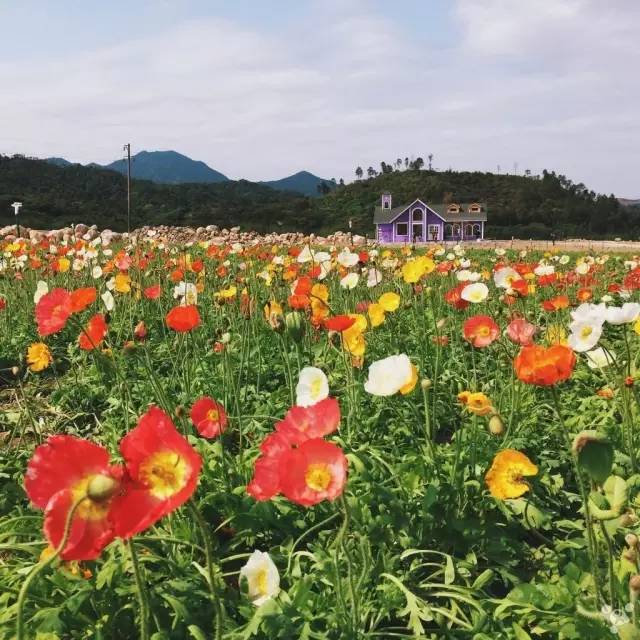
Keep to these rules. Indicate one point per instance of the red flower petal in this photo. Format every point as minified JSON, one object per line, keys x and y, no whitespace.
{"x":209,"y":417}
{"x":316,"y":421}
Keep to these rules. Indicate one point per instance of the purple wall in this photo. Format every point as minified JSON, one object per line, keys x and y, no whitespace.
{"x":389,"y":232}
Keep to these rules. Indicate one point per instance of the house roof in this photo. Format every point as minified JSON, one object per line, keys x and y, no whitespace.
{"x":384,"y":216}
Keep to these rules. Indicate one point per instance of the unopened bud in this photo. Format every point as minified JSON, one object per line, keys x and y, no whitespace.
{"x":627,"y":519}
{"x":15,"y":371}
{"x":630,"y":554}
{"x":101,"y":487}
{"x":425,"y":383}
{"x":496,"y":426}
{"x":632,"y":540}
{"x":441,"y":323}
{"x":634,"y":584}
{"x":295,"y":325}
{"x":180,"y":411}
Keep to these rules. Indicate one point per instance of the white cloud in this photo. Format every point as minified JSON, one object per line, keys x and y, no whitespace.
{"x":547,"y":84}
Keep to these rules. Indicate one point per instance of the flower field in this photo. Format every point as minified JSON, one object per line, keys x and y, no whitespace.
{"x":254,"y":441}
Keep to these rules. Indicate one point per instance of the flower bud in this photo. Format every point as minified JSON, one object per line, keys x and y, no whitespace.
{"x":295,"y":325}
{"x":101,"y":487}
{"x":496,"y":426}
{"x":425,"y":383}
{"x":630,"y":554}
{"x":15,"y":371}
{"x":634,"y":584}
{"x":632,"y":540}
{"x":180,"y":411}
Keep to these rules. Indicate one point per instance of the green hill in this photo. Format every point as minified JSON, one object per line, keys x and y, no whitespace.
{"x":55,"y":196}
{"x":302,"y":182}
{"x":519,"y":206}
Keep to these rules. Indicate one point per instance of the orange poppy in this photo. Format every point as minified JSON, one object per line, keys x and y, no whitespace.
{"x":544,"y":366}
{"x":82,"y":298}
{"x":183,"y":318}
{"x":93,"y":333}
{"x":480,"y":331}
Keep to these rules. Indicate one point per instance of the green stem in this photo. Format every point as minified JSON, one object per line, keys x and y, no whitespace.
{"x":40,"y":567}
{"x":142,"y":596}
{"x":591,"y":543}
{"x":208,"y":552}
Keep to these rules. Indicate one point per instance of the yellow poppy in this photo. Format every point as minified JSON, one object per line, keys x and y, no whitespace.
{"x":389,"y":301}
{"x":122,"y":283}
{"x":376,"y":314}
{"x":505,"y":477}
{"x":38,"y":356}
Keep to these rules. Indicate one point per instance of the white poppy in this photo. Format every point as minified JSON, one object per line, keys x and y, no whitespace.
{"x":263,"y":579}
{"x":186,"y":292}
{"x":348,"y":259}
{"x":374,"y":277}
{"x":628,"y":312}
{"x":389,"y":375}
{"x":505,"y":277}
{"x":96,"y":272}
{"x":476,"y":292}
{"x":589,"y":312}
{"x":544,"y":270}
{"x":583,"y":268}
{"x":42,"y":289}
{"x":305,"y":255}
{"x":312,"y":387}
{"x":467,"y":276}
{"x":599,"y":358}
{"x":107,"y":298}
{"x":350,"y":281}
{"x":584,"y":336}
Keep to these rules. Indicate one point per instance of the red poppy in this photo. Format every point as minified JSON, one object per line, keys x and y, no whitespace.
{"x":153,"y":292}
{"x":140,"y":331}
{"x":3,"y":303}
{"x":93,"y":333}
{"x":302,"y":286}
{"x":555,"y":304}
{"x":197,"y":266}
{"x":82,"y":298}
{"x":632,"y":280}
{"x":53,"y":311}
{"x":60,"y":472}
{"x":315,"y":421}
{"x":520,"y":287}
{"x":546,"y":280}
{"x":315,"y":471}
{"x":544,"y":366}
{"x":163,"y":469}
{"x":183,"y":318}
{"x":339,"y":323}
{"x":480,"y":331}
{"x":298,"y":301}
{"x":454,"y":297}
{"x":209,"y":417}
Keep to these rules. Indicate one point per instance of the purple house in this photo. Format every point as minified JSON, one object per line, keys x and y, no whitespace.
{"x":421,"y":222}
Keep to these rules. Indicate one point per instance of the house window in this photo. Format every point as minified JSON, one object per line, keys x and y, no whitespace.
{"x":417,"y":215}
{"x":474,"y":208}
{"x":387,"y":204}
{"x":402,"y":229}
{"x":453,"y":208}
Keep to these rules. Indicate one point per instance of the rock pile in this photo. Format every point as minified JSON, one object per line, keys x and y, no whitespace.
{"x":211,"y":233}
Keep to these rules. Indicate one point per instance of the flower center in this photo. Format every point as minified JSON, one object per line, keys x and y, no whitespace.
{"x":586,"y":332}
{"x":213,"y":415}
{"x":483,"y":331}
{"x":316,"y":387}
{"x":95,"y":507}
{"x":318,"y":477}
{"x":166,"y":473}
{"x":261,"y":582}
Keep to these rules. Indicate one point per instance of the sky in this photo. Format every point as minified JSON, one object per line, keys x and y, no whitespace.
{"x":260,"y":89}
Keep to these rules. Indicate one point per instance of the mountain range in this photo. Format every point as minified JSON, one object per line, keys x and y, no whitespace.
{"x":171,"y":167}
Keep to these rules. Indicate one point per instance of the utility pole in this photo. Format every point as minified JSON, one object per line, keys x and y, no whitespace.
{"x":127,"y":148}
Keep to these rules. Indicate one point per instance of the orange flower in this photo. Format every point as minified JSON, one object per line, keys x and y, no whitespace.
{"x":504,"y":478}
{"x":82,"y":298}
{"x":555,"y":304}
{"x":544,"y":366}
{"x":183,"y":318}
{"x":584,"y":294}
{"x":297,"y":301}
{"x":480,"y":331}
{"x":93,"y":333}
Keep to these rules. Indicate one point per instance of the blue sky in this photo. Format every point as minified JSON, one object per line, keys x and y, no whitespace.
{"x":263,"y":88}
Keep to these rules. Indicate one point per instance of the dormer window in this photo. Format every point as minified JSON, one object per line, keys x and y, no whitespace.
{"x":387,"y":205}
{"x":475,"y":208}
{"x":453,"y":208}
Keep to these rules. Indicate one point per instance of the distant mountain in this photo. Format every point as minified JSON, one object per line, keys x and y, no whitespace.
{"x":302,"y":182}
{"x":59,"y":162}
{"x":167,"y":167}
{"x":629,"y":202}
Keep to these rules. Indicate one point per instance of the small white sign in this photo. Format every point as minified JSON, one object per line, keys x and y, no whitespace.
{"x":16,"y":207}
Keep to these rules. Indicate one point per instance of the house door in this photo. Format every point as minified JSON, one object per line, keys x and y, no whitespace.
{"x":434,"y":232}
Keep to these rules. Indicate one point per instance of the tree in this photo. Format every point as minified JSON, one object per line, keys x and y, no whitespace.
{"x":371,"y":172}
{"x":398,"y":163}
{"x":406,"y":163}
{"x":430,"y":158}
{"x":341,"y":182}
{"x":417,"y":164}
{"x":323,"y":188}
{"x":359,"y":173}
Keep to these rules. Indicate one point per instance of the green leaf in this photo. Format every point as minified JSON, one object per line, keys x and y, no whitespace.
{"x":520,"y":633}
{"x":595,"y":455}
{"x":196,"y":632}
